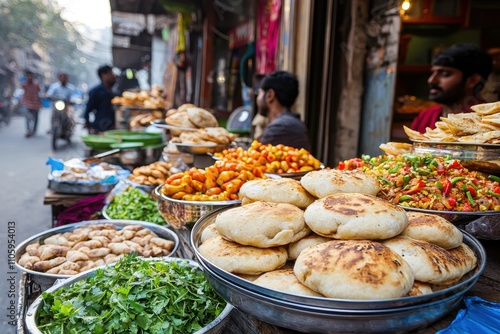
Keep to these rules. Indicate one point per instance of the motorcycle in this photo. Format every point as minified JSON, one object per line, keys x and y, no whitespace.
{"x":62,"y":122}
{"x":4,"y":111}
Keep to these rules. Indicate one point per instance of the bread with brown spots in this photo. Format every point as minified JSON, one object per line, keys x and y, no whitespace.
{"x":262,"y":224}
{"x":322,"y":183}
{"x":420,"y":288}
{"x":201,"y":118}
{"x":284,"y":190}
{"x":355,"y":216}
{"x":285,"y":280}
{"x":433,"y":229}
{"x":354,"y":269}
{"x":240,"y":259}
{"x":431,"y":263}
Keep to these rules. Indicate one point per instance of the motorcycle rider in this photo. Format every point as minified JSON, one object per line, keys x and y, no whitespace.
{"x":61,"y":90}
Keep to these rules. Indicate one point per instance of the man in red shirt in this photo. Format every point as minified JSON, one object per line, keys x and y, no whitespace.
{"x":31,"y":101}
{"x":458,"y":76}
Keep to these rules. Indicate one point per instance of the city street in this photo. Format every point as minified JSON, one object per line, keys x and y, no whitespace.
{"x":23,"y":181}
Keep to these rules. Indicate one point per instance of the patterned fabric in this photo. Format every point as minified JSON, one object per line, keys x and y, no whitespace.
{"x":31,"y":99}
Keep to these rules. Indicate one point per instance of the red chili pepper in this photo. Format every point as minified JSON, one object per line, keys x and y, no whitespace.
{"x":455,"y":164}
{"x":341,"y":165}
{"x":474,"y":182}
{"x":420,"y":184}
{"x":446,"y":187}
{"x":452,"y":201}
{"x":472,"y":191}
{"x":496,"y":190}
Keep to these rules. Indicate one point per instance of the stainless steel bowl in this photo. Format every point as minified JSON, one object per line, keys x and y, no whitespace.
{"x":79,"y":188}
{"x":201,"y":148}
{"x":179,"y":213}
{"x":47,"y":280}
{"x":329,"y":315}
{"x":214,"y":327}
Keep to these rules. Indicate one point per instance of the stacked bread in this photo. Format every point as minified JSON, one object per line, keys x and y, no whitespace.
{"x":328,"y":235}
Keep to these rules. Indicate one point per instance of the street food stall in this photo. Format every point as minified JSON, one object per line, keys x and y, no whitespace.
{"x":393,"y":243}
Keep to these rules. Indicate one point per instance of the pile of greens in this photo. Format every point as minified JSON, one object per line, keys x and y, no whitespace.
{"x":136,"y":205}
{"x":134,"y":296}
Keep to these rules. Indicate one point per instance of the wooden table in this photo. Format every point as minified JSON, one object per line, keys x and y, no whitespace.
{"x":487,"y":287}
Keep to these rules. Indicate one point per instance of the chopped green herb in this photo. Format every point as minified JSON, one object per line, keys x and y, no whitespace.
{"x":134,"y":296}
{"x":135,"y":205}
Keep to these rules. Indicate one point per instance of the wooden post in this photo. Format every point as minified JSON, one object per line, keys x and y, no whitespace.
{"x":207,"y":54}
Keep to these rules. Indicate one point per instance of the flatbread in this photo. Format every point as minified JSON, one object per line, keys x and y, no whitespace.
{"x":284,"y":280}
{"x":217,"y":134}
{"x":283,"y":190}
{"x":419,"y":289}
{"x":354,"y":269}
{"x":189,"y":137}
{"x":201,"y":118}
{"x":433,"y":229}
{"x":185,"y":106}
{"x":208,"y":233}
{"x":321,"y":183}
{"x":395,"y":148}
{"x":239,"y":259}
{"x":262,"y":224}
{"x":179,"y":119}
{"x":296,"y":247}
{"x":486,"y":108}
{"x":355,"y":216}
{"x":431,"y":263}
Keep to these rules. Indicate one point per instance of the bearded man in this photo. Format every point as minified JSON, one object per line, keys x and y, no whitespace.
{"x":459,"y":73}
{"x":277,"y":94}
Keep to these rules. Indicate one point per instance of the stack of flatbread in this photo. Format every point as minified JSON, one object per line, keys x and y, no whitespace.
{"x":482,"y":126}
{"x":190,"y":116}
{"x":327,"y":236}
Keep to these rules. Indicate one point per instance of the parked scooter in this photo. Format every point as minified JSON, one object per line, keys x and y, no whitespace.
{"x":62,"y":122}
{"x":4,"y":111}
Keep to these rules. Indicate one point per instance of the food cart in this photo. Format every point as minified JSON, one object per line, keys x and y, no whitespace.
{"x":186,"y":214}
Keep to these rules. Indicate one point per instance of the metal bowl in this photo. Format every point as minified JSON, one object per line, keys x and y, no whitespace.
{"x":214,"y":327}
{"x":328,"y":315}
{"x":46,"y":280}
{"x":179,"y":213}
{"x":480,"y":157}
{"x":200,"y":148}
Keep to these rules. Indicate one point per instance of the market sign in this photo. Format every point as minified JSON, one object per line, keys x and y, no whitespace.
{"x":241,"y":35}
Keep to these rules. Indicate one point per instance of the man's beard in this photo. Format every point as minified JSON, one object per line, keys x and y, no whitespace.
{"x":263,"y":108}
{"x":450,"y":97}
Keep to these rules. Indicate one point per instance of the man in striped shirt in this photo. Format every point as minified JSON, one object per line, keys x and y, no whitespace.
{"x":31,"y":102}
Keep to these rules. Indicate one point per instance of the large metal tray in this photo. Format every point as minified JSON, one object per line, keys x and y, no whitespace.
{"x":214,"y":327}
{"x":331,"y":303}
{"x":46,"y":280}
{"x":79,"y":188}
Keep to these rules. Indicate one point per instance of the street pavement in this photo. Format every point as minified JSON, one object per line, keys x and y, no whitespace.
{"x":23,"y":181}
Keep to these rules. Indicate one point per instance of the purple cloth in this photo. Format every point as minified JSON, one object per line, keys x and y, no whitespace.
{"x":84,"y":209}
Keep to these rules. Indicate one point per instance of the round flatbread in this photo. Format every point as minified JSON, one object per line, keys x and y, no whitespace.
{"x":284,"y":190}
{"x":285,"y":280}
{"x":262,"y":224}
{"x":240,"y":259}
{"x":354,"y":269}
{"x":185,"y":106}
{"x":218,"y":135}
{"x":431,"y":263}
{"x":208,"y":233}
{"x":433,"y":229}
{"x":179,"y":119}
{"x":201,"y":118}
{"x":294,"y":248}
{"x":322,"y":183}
{"x":355,"y":216}
{"x":420,"y":288}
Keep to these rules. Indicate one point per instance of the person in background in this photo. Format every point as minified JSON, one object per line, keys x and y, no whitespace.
{"x":61,"y":89}
{"x":459,"y":73}
{"x":99,"y":102}
{"x":277,"y":93}
{"x":31,"y":103}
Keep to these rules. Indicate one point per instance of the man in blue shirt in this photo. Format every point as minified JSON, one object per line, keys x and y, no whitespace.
{"x":99,"y":102}
{"x":277,"y":93}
